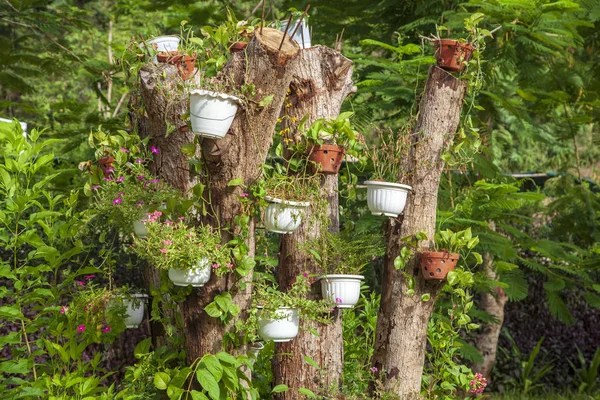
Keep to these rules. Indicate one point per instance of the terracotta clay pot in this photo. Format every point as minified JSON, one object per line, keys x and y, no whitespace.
{"x":437,"y":264}
{"x":452,"y":55}
{"x":237,"y":46}
{"x":327,"y":158}
{"x":105,"y":164}
{"x":185,"y":64}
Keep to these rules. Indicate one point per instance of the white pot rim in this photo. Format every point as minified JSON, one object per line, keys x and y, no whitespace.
{"x":287,"y":202}
{"x":388,"y":185}
{"x":278,"y":308}
{"x":342,"y":276}
{"x":163,"y":37}
{"x":257,"y":346}
{"x":139,"y":295}
{"x":224,"y":96}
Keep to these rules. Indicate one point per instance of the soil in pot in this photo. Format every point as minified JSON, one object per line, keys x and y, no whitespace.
{"x":452,"y":55}
{"x":437,"y":264}
{"x":327,"y":158}
{"x":185,"y":64}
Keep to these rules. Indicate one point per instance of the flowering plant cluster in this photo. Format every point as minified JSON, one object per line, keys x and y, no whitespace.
{"x":171,"y":244}
{"x":123,"y":188}
{"x":478,"y":384}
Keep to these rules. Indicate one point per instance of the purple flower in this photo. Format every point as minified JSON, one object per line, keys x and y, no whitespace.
{"x":121,"y":179}
{"x":110,"y":169}
{"x":80,"y":283}
{"x":338,"y":300}
{"x":373,"y":369}
{"x":118,"y":200}
{"x":244,"y":194}
{"x":124,"y":150}
{"x":141,"y":203}
{"x":155,"y":150}
{"x":95,"y":187}
{"x":139,"y":161}
{"x":154,"y":181}
{"x":88,"y":277}
{"x":64,"y":309}
{"x":305,"y":274}
{"x":81,"y":328}
{"x":106,"y":329}
{"x":140,"y":178}
{"x":108,"y":179}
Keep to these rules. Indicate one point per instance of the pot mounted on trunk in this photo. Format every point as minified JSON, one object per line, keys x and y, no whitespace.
{"x":452,"y":55}
{"x":185,"y":64}
{"x":327,"y":158}
{"x":437,"y":264}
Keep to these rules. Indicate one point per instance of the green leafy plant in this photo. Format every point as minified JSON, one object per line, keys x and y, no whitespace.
{"x":171,"y":244}
{"x":454,"y":242}
{"x":587,"y":376}
{"x":338,"y":255}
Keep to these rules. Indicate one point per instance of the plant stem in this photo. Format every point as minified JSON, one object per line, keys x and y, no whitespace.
{"x":28,"y":347}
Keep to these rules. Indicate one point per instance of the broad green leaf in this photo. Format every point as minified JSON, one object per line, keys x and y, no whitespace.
{"x":208,"y":382}
{"x":280,"y":388}
{"x":311,"y":362}
{"x":161,"y":380}
{"x":235,"y":182}
{"x":214,"y":366}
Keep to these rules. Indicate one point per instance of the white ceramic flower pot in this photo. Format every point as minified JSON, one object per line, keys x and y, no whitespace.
{"x":280,"y":330}
{"x":163,"y":44}
{"x":344,"y":290}
{"x":135,"y":310}
{"x":282,"y":216}
{"x":254,"y":349}
{"x":386,"y":198}
{"x":302,"y":35}
{"x":212,"y":113}
{"x":195,"y":277}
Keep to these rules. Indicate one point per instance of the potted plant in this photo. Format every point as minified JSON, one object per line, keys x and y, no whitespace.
{"x":122,"y":187}
{"x":286,"y":199}
{"x":212,"y":113}
{"x":327,"y":142}
{"x":135,"y":310}
{"x":238,"y":32}
{"x":161,"y":44}
{"x":435,"y":265}
{"x":384,"y":196}
{"x":276,"y":315}
{"x":186,"y":64}
{"x":454,"y":55}
{"x":188,"y":253}
{"x":341,"y":261}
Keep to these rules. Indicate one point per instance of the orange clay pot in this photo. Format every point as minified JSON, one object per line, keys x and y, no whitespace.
{"x":452,"y":55}
{"x":185,"y":64}
{"x":327,"y":158}
{"x":437,"y":264}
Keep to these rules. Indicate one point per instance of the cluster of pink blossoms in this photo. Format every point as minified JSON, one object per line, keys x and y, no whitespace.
{"x":478,"y":384}
{"x":152,"y":217}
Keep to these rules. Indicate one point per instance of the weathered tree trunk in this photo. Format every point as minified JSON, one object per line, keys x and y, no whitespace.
{"x":322,"y":80}
{"x":238,"y":155}
{"x":493,"y":304}
{"x":402,"y":325}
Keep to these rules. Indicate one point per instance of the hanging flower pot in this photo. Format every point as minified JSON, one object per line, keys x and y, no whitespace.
{"x":212,"y":113}
{"x":327,"y":158}
{"x":437,"y":264}
{"x":135,"y":309}
{"x":234,"y":47}
{"x":344,"y":290}
{"x":185,"y":64}
{"x":105,"y":164}
{"x":302,"y":35}
{"x":283,"y":216}
{"x":196,"y":276}
{"x":386,"y":198}
{"x":255,"y":348}
{"x":161,"y":44}
{"x":282,"y":329}
{"x":452,"y":55}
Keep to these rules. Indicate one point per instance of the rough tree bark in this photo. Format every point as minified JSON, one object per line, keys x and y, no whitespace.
{"x":238,"y":155}
{"x":402,"y":324}
{"x":322,"y":81}
{"x":493,"y":304}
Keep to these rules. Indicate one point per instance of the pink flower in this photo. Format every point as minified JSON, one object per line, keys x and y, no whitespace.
{"x":155,"y":150}
{"x":139,"y":161}
{"x":108,"y":179}
{"x":106,"y":329}
{"x":215,"y":265}
{"x":120,"y":179}
{"x":95,"y":187}
{"x":81,"y":328}
{"x":167,"y":242}
{"x":229,"y":265}
{"x":218,"y":246}
{"x":244,"y":195}
{"x":110,"y":169}
{"x":80,"y":283}
{"x":141,"y":203}
{"x":168,"y":222}
{"x":305,"y":274}
{"x":64,"y":309}
{"x":140,"y":178}
{"x":88,"y":277}
{"x":181,"y":218}
{"x":373,"y":369}
{"x":154,"y":181}
{"x":124,"y":150}
{"x":118,"y":200}
{"x":338,"y":300}
{"x":163,"y":251}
